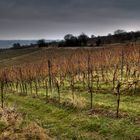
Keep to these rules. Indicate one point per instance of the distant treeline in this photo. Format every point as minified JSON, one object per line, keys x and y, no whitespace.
{"x":119,"y":36}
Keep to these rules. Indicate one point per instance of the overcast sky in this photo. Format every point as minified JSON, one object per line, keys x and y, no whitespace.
{"x":52,"y":19}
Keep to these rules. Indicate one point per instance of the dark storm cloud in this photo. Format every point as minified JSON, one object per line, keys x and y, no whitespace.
{"x":54,"y":18}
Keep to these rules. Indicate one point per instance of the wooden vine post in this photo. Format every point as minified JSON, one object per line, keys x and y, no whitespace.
{"x":89,"y":81}
{"x":49,"y":75}
{"x":118,"y":88}
{"x":2,"y":94}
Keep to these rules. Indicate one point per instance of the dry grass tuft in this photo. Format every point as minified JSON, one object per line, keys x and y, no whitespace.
{"x":14,"y":130}
{"x":76,"y":102}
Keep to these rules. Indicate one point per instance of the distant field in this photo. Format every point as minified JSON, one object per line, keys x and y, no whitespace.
{"x":20,"y":56}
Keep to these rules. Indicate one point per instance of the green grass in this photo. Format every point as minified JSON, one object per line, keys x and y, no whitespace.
{"x":70,"y":123}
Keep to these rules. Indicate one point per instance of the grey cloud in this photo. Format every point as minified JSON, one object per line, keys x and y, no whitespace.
{"x":57,"y":17}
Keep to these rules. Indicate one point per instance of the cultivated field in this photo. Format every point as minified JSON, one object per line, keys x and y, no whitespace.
{"x":71,"y":93}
